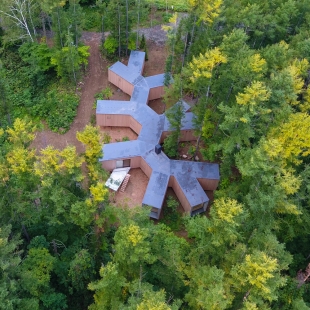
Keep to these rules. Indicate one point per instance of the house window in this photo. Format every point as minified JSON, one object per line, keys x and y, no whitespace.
{"x":123,"y":163}
{"x":126,"y":163}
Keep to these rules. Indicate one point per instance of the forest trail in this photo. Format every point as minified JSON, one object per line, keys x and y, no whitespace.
{"x":93,"y":82}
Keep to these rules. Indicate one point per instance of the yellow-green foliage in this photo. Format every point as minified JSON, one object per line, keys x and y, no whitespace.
{"x":153,"y":301}
{"x":134,"y":234}
{"x":291,"y":139}
{"x":226,"y":210}
{"x":48,"y":162}
{"x":22,"y":132}
{"x":253,"y":94}
{"x":20,"y":160}
{"x":203,"y":65}
{"x":52,"y":161}
{"x":70,"y":159}
{"x":90,"y":137}
{"x":207,"y":11}
{"x":256,"y":271}
{"x":99,"y":192}
{"x":257,"y":63}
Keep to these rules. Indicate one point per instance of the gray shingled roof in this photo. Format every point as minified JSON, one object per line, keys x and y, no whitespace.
{"x":136,"y":61}
{"x":153,"y":125}
{"x":155,"y":80}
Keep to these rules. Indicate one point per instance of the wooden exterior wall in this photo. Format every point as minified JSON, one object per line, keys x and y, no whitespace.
{"x":113,"y":120}
{"x":156,"y":93}
{"x":145,"y":168}
{"x":186,"y":135}
{"x":178,"y":191}
{"x":135,"y":162}
{"x":110,"y":165}
{"x":118,"y":81}
{"x":208,"y":184}
{"x":143,"y":66}
{"x":118,"y":120}
{"x":134,"y":125}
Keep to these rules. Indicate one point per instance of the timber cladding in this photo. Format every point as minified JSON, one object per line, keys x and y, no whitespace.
{"x":120,"y":82}
{"x":179,"y":193}
{"x":117,"y":120}
{"x":156,"y":93}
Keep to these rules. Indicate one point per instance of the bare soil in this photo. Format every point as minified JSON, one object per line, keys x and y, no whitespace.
{"x":118,"y":134}
{"x":94,"y":81}
{"x":134,"y":192}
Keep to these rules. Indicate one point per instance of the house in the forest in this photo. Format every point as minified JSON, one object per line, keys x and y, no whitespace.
{"x":188,"y":179}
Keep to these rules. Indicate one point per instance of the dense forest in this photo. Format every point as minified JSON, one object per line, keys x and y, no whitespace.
{"x":63,"y":246}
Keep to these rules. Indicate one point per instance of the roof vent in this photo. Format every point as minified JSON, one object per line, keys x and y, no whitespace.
{"x":158,"y":148}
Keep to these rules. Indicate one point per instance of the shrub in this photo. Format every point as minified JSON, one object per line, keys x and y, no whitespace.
{"x":143,"y":43}
{"x":172,"y":217}
{"x":110,"y":45}
{"x":166,"y":17}
{"x":106,"y":138}
{"x":60,"y":109}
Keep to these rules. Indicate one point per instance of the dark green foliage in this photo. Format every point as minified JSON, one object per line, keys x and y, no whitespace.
{"x":168,"y":68}
{"x":31,"y":87}
{"x":142,"y":43}
{"x":92,"y":19}
{"x":60,"y":109}
{"x":175,"y":116}
{"x":166,"y":17}
{"x":172,"y":218}
{"x":171,"y":145}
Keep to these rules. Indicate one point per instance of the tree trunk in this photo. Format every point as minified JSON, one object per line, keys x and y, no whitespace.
{"x":54,"y":246}
{"x":119,"y":32}
{"x":59,"y":28}
{"x":71,"y":46}
{"x":43,"y":23}
{"x":126,"y":28}
{"x":138,"y":25}
{"x":184,"y":51}
{"x":192,"y":34}
{"x":26,"y":26}
{"x":30,"y":16}
{"x":76,"y":30}
{"x":200,"y":131}
{"x":25,"y":233}
{"x":102,"y":28}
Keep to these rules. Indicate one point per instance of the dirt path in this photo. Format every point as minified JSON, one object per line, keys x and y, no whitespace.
{"x":94,"y":81}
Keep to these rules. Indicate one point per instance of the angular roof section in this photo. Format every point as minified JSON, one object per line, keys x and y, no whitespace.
{"x":136,"y":61}
{"x":155,"y":80}
{"x":120,"y":69}
{"x":186,"y":173}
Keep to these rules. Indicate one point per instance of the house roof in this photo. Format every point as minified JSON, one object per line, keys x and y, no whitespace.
{"x":136,"y":61}
{"x":155,"y":80}
{"x":123,"y":71}
{"x":186,"y":173}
